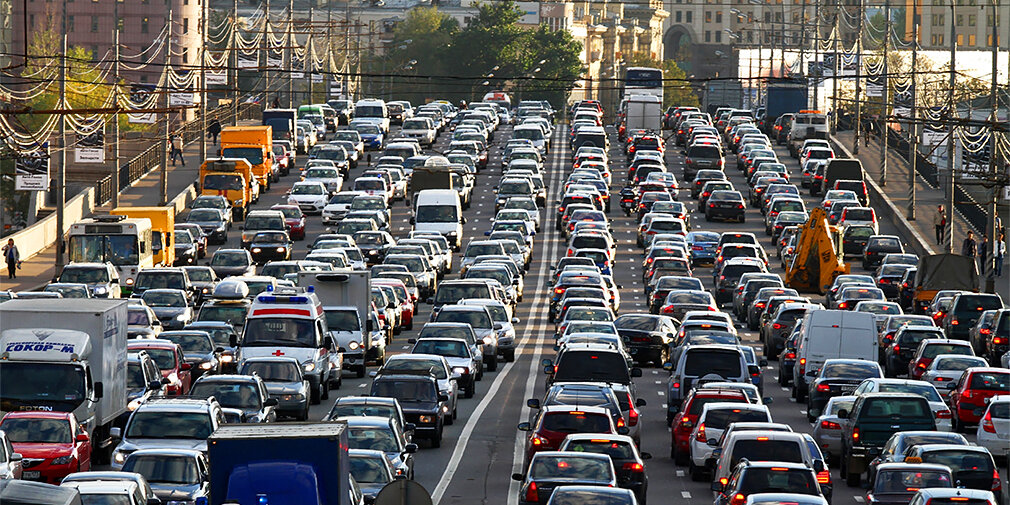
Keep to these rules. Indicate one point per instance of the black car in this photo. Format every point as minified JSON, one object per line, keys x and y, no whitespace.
{"x":897,"y":483}
{"x":198,"y":350}
{"x":787,"y":359}
{"x":270,"y":246}
{"x":549,"y":469}
{"x":837,"y":377}
{"x":768,"y":477}
{"x":878,"y":246}
{"x":725,"y":205}
{"x":646,"y":336}
{"x":373,"y":245}
{"x":244,"y":398}
{"x":187,"y":250}
{"x":889,"y":279}
{"x":143,"y":381}
{"x":224,"y":336}
{"x":628,"y":462}
{"x":420,"y":400}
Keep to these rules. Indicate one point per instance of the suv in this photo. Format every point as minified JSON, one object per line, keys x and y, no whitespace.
{"x":102,"y":279}
{"x":590,"y":363}
{"x":682,"y":421}
{"x":704,"y":363}
{"x":167,"y":423}
{"x":419,"y":397}
{"x":761,"y":445}
{"x":965,"y":310}
{"x":765,"y":477}
{"x":554,"y":422}
{"x":163,"y":278}
{"x":244,"y":398}
{"x":872,"y":421}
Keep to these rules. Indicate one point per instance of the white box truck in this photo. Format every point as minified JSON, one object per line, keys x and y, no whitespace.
{"x":66,"y":356}
{"x":346,"y":297}
{"x":644,"y":112}
{"x":831,"y":334}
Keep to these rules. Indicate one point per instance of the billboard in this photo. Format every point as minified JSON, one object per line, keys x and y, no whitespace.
{"x":138,"y":94}
{"x":529,"y":13}
{"x":31,"y":170}
{"x":90,"y":148}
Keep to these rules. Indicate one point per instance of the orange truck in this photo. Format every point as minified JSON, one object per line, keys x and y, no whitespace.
{"x":233,"y":179}
{"x":255,"y":144}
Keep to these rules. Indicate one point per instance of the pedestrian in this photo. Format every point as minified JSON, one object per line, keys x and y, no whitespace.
{"x":999,"y":252}
{"x":939,"y":223}
{"x":969,"y":247}
{"x":12,"y":257}
{"x":175,"y":144}
{"x":983,"y":250}
{"x":213,"y":130}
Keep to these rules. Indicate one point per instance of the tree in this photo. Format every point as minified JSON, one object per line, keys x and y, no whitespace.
{"x":561,"y":66}
{"x":677,"y":89}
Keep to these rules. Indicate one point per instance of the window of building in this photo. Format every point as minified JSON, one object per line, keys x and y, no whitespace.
{"x":185,"y":55}
{"x":960,"y":39}
{"x":94,"y":53}
{"x":971,"y":39}
{"x":70,"y":23}
{"x":678,"y":16}
{"x":688,"y":15}
{"x":750,"y":37}
{"x":768,"y":17}
{"x":31,"y":20}
{"x":708,"y":16}
{"x":960,"y":20}
{"x":94,"y":24}
{"x":708,"y":36}
{"x":144,"y":22}
{"x":185,"y":25}
{"x":718,"y":16}
{"x":718,"y":36}
{"x":972,"y":19}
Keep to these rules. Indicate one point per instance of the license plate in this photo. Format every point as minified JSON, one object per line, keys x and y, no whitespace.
{"x":848,"y":389}
{"x":32,"y":475}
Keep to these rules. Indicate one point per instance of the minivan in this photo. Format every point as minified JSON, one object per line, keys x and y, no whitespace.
{"x":710,"y":362}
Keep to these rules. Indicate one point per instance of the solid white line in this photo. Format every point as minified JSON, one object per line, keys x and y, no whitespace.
{"x":472,"y":422}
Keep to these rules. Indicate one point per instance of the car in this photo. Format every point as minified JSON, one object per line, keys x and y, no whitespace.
{"x":768,"y":477}
{"x":167,"y":423}
{"x":683,"y":421}
{"x":243,"y":398}
{"x":170,"y":306}
{"x":975,"y":387}
{"x":174,"y":474}
{"x":898,"y":483}
{"x":199,"y":350}
{"x":371,"y":471}
{"x":898,"y":445}
{"x":421,"y":400}
{"x":169,"y":358}
{"x":270,"y":246}
{"x":294,"y":220}
{"x":930,"y":348}
{"x":629,"y":463}
{"x":725,"y":205}
{"x":714,"y":419}
{"x":941,"y":413}
{"x":51,"y":444}
{"x":126,"y":492}
{"x":940,"y":495}
{"x":213,"y":222}
{"x":96,"y":476}
{"x":878,"y":246}
{"x":234,"y":262}
{"x":554,"y":422}
{"x":874,"y":418}
{"x":973,"y":466}
{"x":548,"y":470}
{"x":828,"y":426}
{"x":187,"y":250}
{"x":838,"y":377}
{"x":994,"y":428}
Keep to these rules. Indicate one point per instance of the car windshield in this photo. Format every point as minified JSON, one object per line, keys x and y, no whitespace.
{"x":230,"y":259}
{"x":307,"y":189}
{"x":454,"y":349}
{"x":721,"y":418}
{"x":958,"y":364}
{"x":37,"y":431}
{"x":763,"y":449}
{"x":905,"y":481}
{"x":934,"y":350}
{"x":369,"y":470}
{"x":164,"y":469}
{"x":204,"y":215}
{"x":437,"y":214}
{"x":164,"y":299}
{"x":156,"y":280}
{"x":637,"y":322}
{"x":961,"y":461}
{"x":230,"y":395}
{"x":894,"y":407}
{"x":850,"y":370}
{"x":778,"y":480}
{"x":405,"y":390}
{"x":137,"y":317}
{"x":615,"y":449}
{"x":701,"y":362}
{"x":576,"y":422}
{"x":190,"y":342}
{"x":84,"y":275}
{"x":376,"y":439}
{"x":154,"y":423}
{"x":233,"y":314}
{"x":254,"y":155}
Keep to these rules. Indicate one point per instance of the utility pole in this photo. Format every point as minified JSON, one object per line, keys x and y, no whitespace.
{"x":782,"y":43}
{"x":167,"y":122}
{"x":266,"y":55}
{"x":884,"y":97}
{"x":309,"y":63}
{"x":817,"y":51}
{"x":115,"y":119}
{"x":289,"y":51}
{"x":951,"y":112}
{"x":859,"y":75}
{"x":991,"y":231}
{"x":913,"y":144}
{"x":835,"y":67}
{"x":61,"y":171}
{"x":204,"y":14}
{"x":233,"y":49}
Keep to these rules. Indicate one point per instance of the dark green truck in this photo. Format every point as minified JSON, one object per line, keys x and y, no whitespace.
{"x":872,"y":421}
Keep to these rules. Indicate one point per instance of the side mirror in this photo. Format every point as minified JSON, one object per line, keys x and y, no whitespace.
{"x":413,"y":220}
{"x":99,"y":390}
{"x":409,"y":427}
{"x":497,"y":326}
{"x":165,"y":381}
{"x":636,"y":372}
{"x":116,"y":433}
{"x":767,"y":400}
{"x":623,"y":430}
{"x":714,"y":443}
{"x":463,"y":220}
{"x":373,"y":373}
{"x":843,"y":413}
{"x":548,"y":369}
{"x":233,"y":340}
{"x":524,"y":427}
{"x":410,"y":449}
{"x":411,"y":340}
{"x":443,"y":398}
{"x":487,"y":234}
{"x":369,"y":326}
{"x":430,"y":300}
{"x":668,"y":367}
{"x":186,"y":366}
{"x":763,"y":362}
{"x":219,"y":350}
{"x":270,"y":402}
{"x":546,"y":362}
{"x":533,"y":403}
{"x":645,"y":455}
{"x":812,"y":373}
{"x":517,"y":477}
{"x":640,"y":402}
{"x":154,"y":385}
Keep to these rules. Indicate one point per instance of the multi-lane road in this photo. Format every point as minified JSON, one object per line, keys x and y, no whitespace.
{"x":483,"y":448}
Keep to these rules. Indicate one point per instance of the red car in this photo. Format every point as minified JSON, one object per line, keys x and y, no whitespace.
{"x":682,"y":422}
{"x":406,"y":304}
{"x":168,"y":356}
{"x":969,"y":399}
{"x":555,"y":422}
{"x":52,"y":444}
{"x":294,"y":219}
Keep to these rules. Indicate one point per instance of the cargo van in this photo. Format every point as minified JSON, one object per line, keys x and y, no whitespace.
{"x":440,"y":210}
{"x":828,"y":334}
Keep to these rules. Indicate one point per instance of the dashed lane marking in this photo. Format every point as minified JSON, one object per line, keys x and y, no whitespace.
{"x":680,"y":473}
{"x":686,"y":495}
{"x":660,"y":393}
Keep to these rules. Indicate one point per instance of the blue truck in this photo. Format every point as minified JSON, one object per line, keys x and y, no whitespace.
{"x":279,"y":464}
{"x":784,"y":96}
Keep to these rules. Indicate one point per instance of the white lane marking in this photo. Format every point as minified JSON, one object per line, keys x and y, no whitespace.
{"x":361,"y":385}
{"x":659,"y":382}
{"x":471,"y":424}
{"x":405,"y":347}
{"x":655,"y":372}
{"x":680,"y":473}
{"x":859,"y":499}
{"x":660,"y":393}
{"x":783,"y":389}
{"x":686,"y":495}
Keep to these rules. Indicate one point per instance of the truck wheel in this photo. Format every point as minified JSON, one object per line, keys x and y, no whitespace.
{"x":436,"y":439}
{"x":510,"y":355}
{"x":851,"y":479}
{"x":304,"y":416}
{"x":801,"y":394}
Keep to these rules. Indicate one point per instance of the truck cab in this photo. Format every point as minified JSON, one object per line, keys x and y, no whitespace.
{"x":162,"y":230}
{"x":231,"y":178}
{"x":291,"y":322}
{"x":255,"y":145}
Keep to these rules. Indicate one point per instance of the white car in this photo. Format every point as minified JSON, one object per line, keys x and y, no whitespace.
{"x":310,"y":196}
{"x":329,"y":176}
{"x":420,"y":128}
{"x":339,"y":205}
{"x":941,"y":412}
{"x":945,"y":369}
{"x":993,"y":431}
{"x":721,"y":414}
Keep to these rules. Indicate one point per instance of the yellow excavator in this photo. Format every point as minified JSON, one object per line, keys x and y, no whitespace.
{"x":818,"y":258}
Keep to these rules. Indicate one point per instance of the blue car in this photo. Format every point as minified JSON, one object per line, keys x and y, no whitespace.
{"x":702,"y":246}
{"x":371,"y":135}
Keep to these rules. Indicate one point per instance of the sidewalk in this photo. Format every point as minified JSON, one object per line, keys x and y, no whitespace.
{"x":896,"y":186}
{"x":146,"y":191}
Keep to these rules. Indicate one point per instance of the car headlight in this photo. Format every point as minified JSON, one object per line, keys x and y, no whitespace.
{"x":460,"y":370}
{"x":281,"y":249}
{"x":256,"y":249}
{"x":373,"y":252}
{"x":426,"y":419}
{"x":129,"y":282}
{"x":101,"y":290}
{"x":207,"y":365}
{"x":488,"y":340}
{"x":237,"y":202}
{"x":119,"y":457}
{"x":309,"y":366}
{"x":353,"y":345}
{"x":227,"y":358}
{"x":62,"y":460}
{"x":180,"y":317}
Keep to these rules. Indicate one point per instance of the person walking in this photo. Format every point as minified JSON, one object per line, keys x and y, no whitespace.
{"x":969,"y":247}
{"x":214,"y":130}
{"x":983,"y":250}
{"x":175,"y":143}
{"x":939,"y":223}
{"x":999,"y":252}
{"x":12,"y":257}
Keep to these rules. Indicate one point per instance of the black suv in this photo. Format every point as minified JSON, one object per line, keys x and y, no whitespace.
{"x":590,"y":363}
{"x":874,"y":418}
{"x":422,"y":404}
{"x":768,"y":477}
{"x":646,"y":336}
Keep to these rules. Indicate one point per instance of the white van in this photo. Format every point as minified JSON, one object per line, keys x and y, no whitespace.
{"x":372,"y":110}
{"x":440,"y":210}
{"x":643,"y":112}
{"x":828,"y":334}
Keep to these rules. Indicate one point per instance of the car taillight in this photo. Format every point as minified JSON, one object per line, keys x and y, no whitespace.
{"x":538,"y":441}
{"x":998,"y":341}
{"x":738,"y":499}
{"x":953,"y":321}
{"x":896,"y":348}
{"x":943,"y":414}
{"x":823,"y":387}
{"x":987,"y":424}
{"x":824,"y":477}
{"x":776,"y":326}
{"x":685,"y":422}
{"x":803,"y":366}
{"x":700,"y":436}
{"x":531,"y":493}
{"x":996,"y":483}
{"x":855,"y":434}
{"x":559,"y":291}
{"x":790,"y":355}
{"x":843,"y":305}
{"x":668,"y":309}
{"x":830,"y":425}
{"x":634,"y":467}
{"x":632,"y":417}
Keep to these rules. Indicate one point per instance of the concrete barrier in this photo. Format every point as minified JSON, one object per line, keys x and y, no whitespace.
{"x":41,"y":235}
{"x":183,"y":199}
{"x":886,"y":210}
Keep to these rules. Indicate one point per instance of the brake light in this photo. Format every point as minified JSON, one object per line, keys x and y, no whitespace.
{"x":803,"y":366}
{"x":998,"y":340}
{"x":738,"y":499}
{"x":855,"y":434}
{"x":896,"y":348}
{"x":760,"y":305}
{"x":884,"y":281}
{"x":620,"y":422}
{"x":559,"y":291}
{"x":700,"y":436}
{"x":685,"y":422}
{"x":953,"y":321}
{"x":531,"y":493}
{"x":634,"y":467}
{"x":538,"y":441}
{"x":823,"y":387}
{"x":776,"y":326}
{"x":824,"y":477}
{"x":790,"y":355}
{"x":843,"y":305}
{"x":943,"y":414}
{"x":987,"y":425}
{"x":830,"y":425}
{"x":632,"y":417}
{"x":996,"y":484}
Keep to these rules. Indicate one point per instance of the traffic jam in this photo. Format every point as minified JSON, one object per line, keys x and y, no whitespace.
{"x":510,"y":303}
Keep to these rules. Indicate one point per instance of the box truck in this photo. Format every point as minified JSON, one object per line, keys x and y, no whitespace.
{"x":644,"y":112}
{"x":346,"y":299}
{"x":62,"y":356}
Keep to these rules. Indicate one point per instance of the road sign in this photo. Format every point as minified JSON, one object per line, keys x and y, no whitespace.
{"x":403,"y":492}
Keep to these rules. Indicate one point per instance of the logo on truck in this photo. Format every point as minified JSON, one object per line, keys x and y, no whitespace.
{"x":38,"y":347}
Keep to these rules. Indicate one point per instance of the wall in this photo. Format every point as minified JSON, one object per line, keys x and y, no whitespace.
{"x":39,"y":236}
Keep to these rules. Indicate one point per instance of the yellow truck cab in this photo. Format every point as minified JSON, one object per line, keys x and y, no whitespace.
{"x":231,"y":178}
{"x":254,"y":144}
{"x":162,"y":227}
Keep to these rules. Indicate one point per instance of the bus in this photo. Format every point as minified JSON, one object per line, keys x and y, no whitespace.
{"x":643,"y":81}
{"x":122,"y":241}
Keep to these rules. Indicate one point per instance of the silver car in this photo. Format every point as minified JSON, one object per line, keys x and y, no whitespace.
{"x":945,"y":369}
{"x":828,"y":427}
